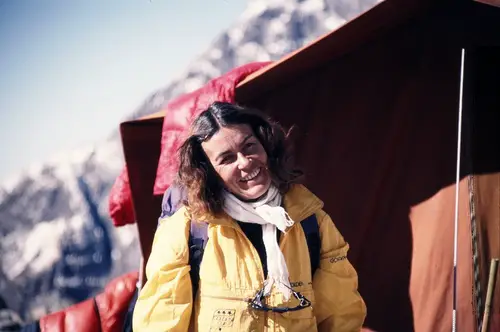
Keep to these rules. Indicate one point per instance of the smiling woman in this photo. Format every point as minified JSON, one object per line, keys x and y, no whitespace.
{"x":236,"y":149}
{"x":257,"y":272}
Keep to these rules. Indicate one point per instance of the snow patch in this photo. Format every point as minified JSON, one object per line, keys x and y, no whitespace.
{"x":312,"y":6}
{"x":215,"y":54}
{"x":254,"y":8}
{"x":333,"y":22}
{"x":206,"y":67}
{"x":235,"y":36}
{"x":253,"y":52}
{"x":40,"y":248}
{"x":194,"y":83}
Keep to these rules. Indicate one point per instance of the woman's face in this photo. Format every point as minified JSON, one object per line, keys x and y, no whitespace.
{"x":240,"y":160}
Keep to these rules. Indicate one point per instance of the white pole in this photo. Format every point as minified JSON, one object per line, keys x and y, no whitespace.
{"x":457,"y":182}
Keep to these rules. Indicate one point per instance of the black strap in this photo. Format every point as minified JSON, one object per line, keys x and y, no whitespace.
{"x":198,"y":237}
{"x":311,"y":231}
{"x":127,"y":324}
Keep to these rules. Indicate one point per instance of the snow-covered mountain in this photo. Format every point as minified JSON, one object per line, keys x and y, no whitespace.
{"x":58,"y":246}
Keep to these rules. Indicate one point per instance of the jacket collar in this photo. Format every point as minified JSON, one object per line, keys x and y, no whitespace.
{"x":299,"y":202}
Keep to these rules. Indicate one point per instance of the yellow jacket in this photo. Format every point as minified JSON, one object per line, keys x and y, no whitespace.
{"x":231,"y":273}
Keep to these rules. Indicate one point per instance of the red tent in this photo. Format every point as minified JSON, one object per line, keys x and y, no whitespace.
{"x":377,"y":105}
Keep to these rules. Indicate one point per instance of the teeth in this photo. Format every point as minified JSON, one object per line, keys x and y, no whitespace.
{"x":251,"y":175}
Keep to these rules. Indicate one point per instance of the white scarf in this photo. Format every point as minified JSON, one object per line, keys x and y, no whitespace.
{"x":268,"y":213}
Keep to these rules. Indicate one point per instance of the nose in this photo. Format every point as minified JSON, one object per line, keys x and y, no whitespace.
{"x":243,"y":161}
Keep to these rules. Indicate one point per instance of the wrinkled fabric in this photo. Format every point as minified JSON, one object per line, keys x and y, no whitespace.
{"x":231,"y":273}
{"x":120,"y":206}
{"x":181,"y":112}
{"x":106,"y":312}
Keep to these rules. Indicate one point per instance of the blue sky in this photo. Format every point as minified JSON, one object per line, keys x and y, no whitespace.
{"x":71,"y":70}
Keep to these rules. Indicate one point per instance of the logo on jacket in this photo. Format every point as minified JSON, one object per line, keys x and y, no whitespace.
{"x":222,"y":318}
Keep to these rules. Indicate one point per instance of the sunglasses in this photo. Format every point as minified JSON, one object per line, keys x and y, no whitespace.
{"x":257,"y":303}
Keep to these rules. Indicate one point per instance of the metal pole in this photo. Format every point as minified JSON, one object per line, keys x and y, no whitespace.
{"x":457,"y":183}
{"x":489,"y":295}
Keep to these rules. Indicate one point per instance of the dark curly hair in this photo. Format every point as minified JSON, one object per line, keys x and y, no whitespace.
{"x":196,"y":173}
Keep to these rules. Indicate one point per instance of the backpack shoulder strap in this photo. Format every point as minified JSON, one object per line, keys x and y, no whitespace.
{"x":198,"y":237}
{"x":172,"y":200}
{"x":198,"y":232}
{"x":311,"y":231}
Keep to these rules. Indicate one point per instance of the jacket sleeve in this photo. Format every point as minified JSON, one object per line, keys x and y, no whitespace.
{"x":339,"y":307}
{"x":165,"y":301}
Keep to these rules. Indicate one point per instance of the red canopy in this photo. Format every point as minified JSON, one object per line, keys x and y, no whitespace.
{"x":181,"y":111}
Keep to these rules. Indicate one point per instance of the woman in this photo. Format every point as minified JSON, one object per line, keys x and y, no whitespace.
{"x":240,"y":180}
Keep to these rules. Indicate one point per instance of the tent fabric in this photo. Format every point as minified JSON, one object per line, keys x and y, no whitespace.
{"x":120,"y":205}
{"x":377,"y":136}
{"x":105,"y":312}
{"x":141,"y":142}
{"x":382,"y":17}
{"x":181,"y":112}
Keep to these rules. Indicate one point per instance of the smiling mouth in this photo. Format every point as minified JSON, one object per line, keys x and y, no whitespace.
{"x":251,"y":176}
